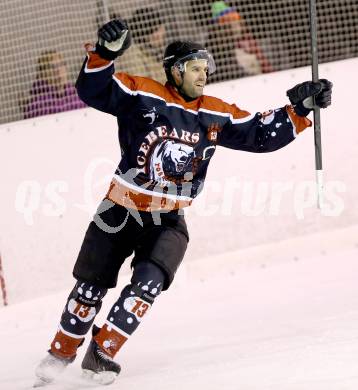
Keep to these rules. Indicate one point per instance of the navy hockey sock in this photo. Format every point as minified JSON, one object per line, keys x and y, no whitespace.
{"x":82,"y":306}
{"x":134,"y":302}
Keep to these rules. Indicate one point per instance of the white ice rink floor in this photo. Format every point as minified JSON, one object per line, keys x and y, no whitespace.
{"x":285,"y":325}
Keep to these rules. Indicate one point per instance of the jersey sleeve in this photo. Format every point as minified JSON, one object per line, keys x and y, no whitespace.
{"x":99,"y":87}
{"x":261,"y":132}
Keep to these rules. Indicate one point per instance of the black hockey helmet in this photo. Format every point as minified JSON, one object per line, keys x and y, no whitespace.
{"x":178,"y":53}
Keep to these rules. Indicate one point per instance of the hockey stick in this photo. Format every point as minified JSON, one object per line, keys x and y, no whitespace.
{"x":316,"y":113}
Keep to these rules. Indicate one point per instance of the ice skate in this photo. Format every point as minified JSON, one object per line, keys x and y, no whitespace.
{"x":97,"y":366}
{"x":49,"y":369}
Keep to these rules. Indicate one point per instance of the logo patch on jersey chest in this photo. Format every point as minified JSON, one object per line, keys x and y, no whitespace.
{"x":212,"y":131}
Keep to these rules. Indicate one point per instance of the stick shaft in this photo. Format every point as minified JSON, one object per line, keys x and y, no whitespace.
{"x":314,"y":46}
{"x":316,"y":113}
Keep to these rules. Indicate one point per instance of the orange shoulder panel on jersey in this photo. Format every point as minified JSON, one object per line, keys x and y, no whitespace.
{"x":300,"y":122}
{"x":170,"y":95}
{"x":214,"y":104}
{"x":138,"y":83}
{"x":150,"y":86}
{"x":94,"y":60}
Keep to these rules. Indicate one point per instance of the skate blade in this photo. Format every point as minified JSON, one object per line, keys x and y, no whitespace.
{"x":102,"y":378}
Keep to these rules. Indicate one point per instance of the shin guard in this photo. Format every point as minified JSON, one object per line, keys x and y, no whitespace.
{"x":135,"y":301}
{"x":83,"y":304}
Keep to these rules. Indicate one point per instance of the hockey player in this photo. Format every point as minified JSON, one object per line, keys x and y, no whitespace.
{"x":168,"y":135}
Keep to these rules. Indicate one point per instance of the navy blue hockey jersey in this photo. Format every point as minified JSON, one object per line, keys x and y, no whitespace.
{"x":167,"y":142}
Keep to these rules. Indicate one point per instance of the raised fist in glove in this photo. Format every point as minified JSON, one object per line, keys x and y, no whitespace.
{"x":301,"y":96}
{"x":113,"y":39}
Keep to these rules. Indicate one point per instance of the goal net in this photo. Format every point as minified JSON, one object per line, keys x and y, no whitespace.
{"x":43,"y":39}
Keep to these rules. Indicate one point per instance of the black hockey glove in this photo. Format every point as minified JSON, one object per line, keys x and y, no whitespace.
{"x":113,"y":39}
{"x":301,"y":96}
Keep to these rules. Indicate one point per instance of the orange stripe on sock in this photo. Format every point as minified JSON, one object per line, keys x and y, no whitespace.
{"x":65,"y":346}
{"x":109,"y":340}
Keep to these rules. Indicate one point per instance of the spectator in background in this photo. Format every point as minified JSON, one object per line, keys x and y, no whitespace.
{"x":234,"y":48}
{"x":51,"y":92}
{"x":146,"y":54}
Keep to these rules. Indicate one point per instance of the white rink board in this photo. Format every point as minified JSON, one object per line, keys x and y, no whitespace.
{"x":65,"y":162}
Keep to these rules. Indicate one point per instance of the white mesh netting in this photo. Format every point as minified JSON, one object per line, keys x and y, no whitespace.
{"x":44,"y":39}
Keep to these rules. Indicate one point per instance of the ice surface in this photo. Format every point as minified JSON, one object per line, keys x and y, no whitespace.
{"x":289,"y":324}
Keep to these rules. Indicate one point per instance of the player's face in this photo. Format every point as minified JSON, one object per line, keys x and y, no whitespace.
{"x":194,"y":78}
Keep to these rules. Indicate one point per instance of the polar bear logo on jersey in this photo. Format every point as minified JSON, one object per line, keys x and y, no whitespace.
{"x":171,"y":159}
